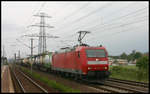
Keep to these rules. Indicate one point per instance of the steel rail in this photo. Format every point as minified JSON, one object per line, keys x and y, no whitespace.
{"x":94,"y":85}
{"x":19,"y":82}
{"x":125,"y":88}
{"x":129,"y":82}
{"x":45,"y":91}
{"x":113,"y":86}
{"x":106,"y":89}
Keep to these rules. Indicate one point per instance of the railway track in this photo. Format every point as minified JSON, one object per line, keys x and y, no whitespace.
{"x":100,"y":85}
{"x":114,"y":85}
{"x":126,"y":87}
{"x":119,"y":86}
{"x":26,"y":84}
{"x":146,"y":85}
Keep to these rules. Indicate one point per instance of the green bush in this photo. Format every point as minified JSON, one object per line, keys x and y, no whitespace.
{"x":143,"y":63}
{"x":129,"y":73}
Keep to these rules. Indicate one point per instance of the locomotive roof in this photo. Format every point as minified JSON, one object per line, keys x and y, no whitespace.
{"x":90,"y":47}
{"x":77,"y":48}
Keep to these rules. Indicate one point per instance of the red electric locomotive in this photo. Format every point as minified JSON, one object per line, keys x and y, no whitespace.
{"x":82,"y":61}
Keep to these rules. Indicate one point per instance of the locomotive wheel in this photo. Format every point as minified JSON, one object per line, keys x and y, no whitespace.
{"x":66,"y":74}
{"x":71,"y":75}
{"x":76,"y":77}
{"x":61,"y":74}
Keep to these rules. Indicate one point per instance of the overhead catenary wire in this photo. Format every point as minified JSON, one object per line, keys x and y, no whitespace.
{"x":109,"y":27}
{"x":36,"y":10}
{"x":119,"y":18}
{"x":23,"y":43}
{"x":75,"y":12}
{"x":114,"y":27}
{"x":103,"y":26}
{"x":118,"y":32}
{"x":91,"y":13}
{"x":120,"y":24}
{"x":125,"y":24}
{"x":128,"y":15}
{"x":108,"y":15}
{"x":121,"y":31}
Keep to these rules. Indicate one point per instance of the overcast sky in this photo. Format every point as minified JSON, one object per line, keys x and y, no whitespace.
{"x":119,"y":26}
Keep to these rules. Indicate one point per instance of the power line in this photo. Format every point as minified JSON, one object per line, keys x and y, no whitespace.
{"x":120,"y":16}
{"x":108,"y":14}
{"x":23,"y":43}
{"x":91,"y":13}
{"x":125,"y":24}
{"x":42,"y":6}
{"x":34,"y":11}
{"x":109,"y":25}
{"x":129,"y":17}
{"x":105,"y":25}
{"x":118,"y":31}
{"x":120,"y":25}
{"x":74,"y":12}
{"x":119,"y":19}
{"x":123,"y":16}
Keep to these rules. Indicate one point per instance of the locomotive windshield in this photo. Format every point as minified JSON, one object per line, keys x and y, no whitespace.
{"x":96,"y":53}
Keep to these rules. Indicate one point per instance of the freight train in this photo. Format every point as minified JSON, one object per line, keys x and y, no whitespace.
{"x":79,"y":62}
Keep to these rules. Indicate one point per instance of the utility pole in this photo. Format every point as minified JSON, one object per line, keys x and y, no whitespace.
{"x":30,"y":47}
{"x":18,"y":55}
{"x":15,"y":58}
{"x":3,"y":51}
{"x":31,"y":53}
{"x":3,"y":55}
{"x":82,"y":36}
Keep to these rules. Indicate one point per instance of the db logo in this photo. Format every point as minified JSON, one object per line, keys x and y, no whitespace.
{"x":97,"y":59}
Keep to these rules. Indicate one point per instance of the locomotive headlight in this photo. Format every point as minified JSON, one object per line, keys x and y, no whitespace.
{"x":89,"y":67}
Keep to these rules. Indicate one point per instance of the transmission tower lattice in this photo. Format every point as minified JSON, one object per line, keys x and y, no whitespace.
{"x":42,"y":34}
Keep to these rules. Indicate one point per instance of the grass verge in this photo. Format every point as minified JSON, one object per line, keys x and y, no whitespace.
{"x":51,"y":83}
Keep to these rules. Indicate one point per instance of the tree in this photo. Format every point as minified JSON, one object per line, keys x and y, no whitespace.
{"x":134,"y":55}
{"x":115,"y":61}
{"x":123,"y":55}
{"x":137,"y":55}
{"x":143,"y":63}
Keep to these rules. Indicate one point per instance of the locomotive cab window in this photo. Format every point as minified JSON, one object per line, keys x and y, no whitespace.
{"x":95,"y":53}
